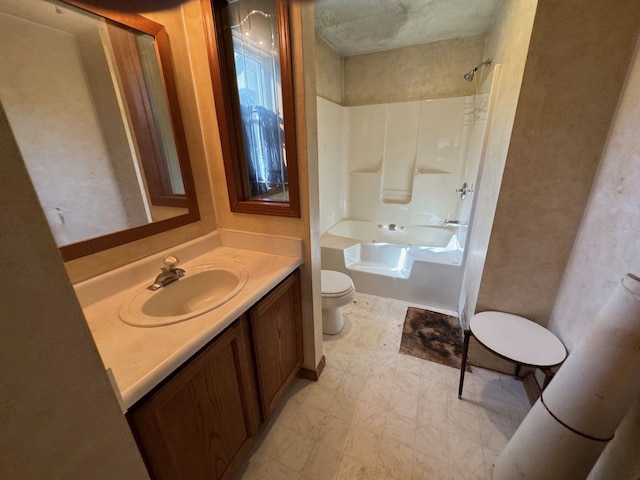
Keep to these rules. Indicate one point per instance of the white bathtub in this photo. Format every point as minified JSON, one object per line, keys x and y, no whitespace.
{"x":426,"y":236}
{"x":419,"y":264}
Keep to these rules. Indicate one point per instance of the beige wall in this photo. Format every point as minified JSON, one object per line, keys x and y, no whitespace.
{"x":60,"y":417}
{"x":328,"y":72}
{"x":105,"y":99}
{"x":578,"y":57}
{"x":607,"y":243}
{"x":605,"y":250}
{"x":507,"y":46}
{"x":420,"y":72}
{"x":43,"y":88}
{"x":303,"y":39}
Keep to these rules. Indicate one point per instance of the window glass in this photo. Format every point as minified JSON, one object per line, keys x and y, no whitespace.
{"x":254,"y":32}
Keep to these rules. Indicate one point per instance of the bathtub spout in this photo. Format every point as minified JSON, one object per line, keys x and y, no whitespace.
{"x":392,"y":227}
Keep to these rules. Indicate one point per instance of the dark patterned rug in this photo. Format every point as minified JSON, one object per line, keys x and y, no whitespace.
{"x":432,"y":336}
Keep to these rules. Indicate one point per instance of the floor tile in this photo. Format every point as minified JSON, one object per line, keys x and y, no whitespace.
{"x":370,"y":417}
{"x":351,"y":469}
{"x":352,"y":385}
{"x":495,"y":435}
{"x":424,"y":467}
{"x":432,"y":442}
{"x":464,"y":425}
{"x":376,"y":393}
{"x":331,"y":378}
{"x":319,"y":397}
{"x":344,"y":406}
{"x":404,"y":404}
{"x":399,"y":429}
{"x":333,"y":432}
{"x":490,"y":457}
{"x":410,"y":365}
{"x":294,"y":451}
{"x":286,"y":411}
{"x":322,"y":464}
{"x":308,"y":421}
{"x":363,"y":445}
{"x":272,"y":469}
{"x":377,"y":414}
{"x":432,"y":413}
{"x":383,"y":374}
{"x":466,"y":456}
{"x":394,"y":461}
{"x":406,"y":382}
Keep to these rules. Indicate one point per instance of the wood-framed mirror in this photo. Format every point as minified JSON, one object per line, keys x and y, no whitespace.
{"x":250,"y":61}
{"x":91,"y":99}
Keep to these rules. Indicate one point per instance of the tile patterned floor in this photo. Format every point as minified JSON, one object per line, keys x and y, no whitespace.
{"x":376,"y":414}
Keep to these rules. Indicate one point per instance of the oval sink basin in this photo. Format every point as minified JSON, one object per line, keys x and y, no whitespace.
{"x":202,"y":289}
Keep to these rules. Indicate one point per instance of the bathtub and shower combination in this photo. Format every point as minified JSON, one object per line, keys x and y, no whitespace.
{"x":418,"y":264}
{"x":390,"y":177}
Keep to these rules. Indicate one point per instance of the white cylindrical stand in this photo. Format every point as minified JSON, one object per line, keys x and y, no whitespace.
{"x":621,"y":458}
{"x":567,"y":429}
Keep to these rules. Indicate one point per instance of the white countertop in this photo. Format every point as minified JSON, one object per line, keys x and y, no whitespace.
{"x":139,"y":358}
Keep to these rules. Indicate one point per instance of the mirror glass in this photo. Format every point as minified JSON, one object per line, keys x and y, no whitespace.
{"x":254,"y":33}
{"x":92,"y":105}
{"x":250,"y":60}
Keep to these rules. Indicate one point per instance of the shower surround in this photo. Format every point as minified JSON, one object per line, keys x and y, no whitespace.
{"x":397,"y":168}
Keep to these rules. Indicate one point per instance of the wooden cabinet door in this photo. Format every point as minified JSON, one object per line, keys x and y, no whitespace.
{"x":199,"y":424}
{"x":277,"y":340}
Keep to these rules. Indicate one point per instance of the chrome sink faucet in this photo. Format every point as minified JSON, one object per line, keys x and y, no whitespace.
{"x":170,"y":273}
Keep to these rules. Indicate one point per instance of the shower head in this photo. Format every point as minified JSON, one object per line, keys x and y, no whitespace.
{"x":471,"y":73}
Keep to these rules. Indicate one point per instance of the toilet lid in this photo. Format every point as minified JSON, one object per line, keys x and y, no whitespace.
{"x":334,"y":283}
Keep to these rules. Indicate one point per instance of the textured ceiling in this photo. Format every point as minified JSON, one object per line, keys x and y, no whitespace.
{"x":353,"y":27}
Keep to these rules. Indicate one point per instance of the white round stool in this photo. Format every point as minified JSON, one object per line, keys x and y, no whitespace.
{"x":515,"y":339}
{"x":337,"y":291}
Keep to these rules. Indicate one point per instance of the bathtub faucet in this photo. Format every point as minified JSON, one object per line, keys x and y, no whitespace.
{"x":455,"y":223}
{"x":465,"y":190}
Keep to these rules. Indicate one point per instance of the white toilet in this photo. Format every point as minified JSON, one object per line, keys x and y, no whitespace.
{"x":337,"y":291}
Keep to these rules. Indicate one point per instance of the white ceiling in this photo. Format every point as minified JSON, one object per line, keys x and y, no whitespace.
{"x":354,"y":27}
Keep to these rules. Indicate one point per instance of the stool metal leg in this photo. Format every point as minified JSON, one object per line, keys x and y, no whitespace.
{"x":517,"y":372}
{"x":463,"y":367}
{"x":548,"y":375}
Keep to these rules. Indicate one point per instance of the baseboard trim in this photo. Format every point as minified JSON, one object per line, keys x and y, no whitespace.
{"x":313,"y":374}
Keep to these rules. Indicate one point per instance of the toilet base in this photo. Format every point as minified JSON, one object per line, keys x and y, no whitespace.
{"x":332,"y":321}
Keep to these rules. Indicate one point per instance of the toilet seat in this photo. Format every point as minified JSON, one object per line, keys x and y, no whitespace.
{"x":335,"y":284}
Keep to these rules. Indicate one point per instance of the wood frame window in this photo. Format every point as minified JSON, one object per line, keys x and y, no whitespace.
{"x":239,"y":165}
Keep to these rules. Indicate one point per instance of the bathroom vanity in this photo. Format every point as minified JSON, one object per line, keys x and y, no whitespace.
{"x":200,"y":421}
{"x":197,"y":392}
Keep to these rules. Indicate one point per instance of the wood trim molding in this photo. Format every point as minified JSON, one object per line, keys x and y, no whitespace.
{"x":311,"y":374}
{"x":221,"y":64}
{"x":189,"y":200}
